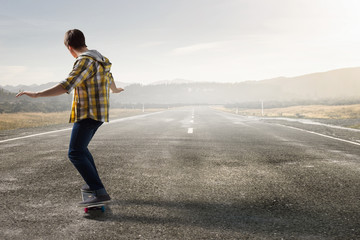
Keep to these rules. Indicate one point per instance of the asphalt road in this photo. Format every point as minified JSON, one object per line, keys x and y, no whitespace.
{"x":188,"y":173}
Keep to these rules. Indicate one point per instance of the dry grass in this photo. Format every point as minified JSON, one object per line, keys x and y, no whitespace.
{"x":312,"y":111}
{"x":36,"y":119}
{"x":32,"y":119}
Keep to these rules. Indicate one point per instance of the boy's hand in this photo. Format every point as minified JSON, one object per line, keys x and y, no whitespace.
{"x":30,"y":94}
{"x":117,"y":90}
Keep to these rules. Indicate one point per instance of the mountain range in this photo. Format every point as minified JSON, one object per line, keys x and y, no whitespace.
{"x":331,"y":87}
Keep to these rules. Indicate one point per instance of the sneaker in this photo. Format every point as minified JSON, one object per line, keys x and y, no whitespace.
{"x":86,"y":188}
{"x":96,"y":200}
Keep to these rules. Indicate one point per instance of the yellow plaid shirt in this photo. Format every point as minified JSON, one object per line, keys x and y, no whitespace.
{"x":91,"y":80}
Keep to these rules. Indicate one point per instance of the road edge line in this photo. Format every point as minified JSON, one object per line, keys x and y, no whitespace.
{"x":320,"y":134}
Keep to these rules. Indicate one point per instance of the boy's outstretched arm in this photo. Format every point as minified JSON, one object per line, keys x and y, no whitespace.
{"x":53,"y":91}
{"x":115,"y":89}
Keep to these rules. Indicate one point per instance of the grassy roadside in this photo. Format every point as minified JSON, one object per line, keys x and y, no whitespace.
{"x":10,"y":121}
{"x":311,"y":111}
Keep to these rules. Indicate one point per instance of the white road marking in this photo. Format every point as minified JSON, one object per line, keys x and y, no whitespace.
{"x":133,"y":117}
{"x":310,"y":122}
{"x":191,"y":130}
{"x":34,"y":135}
{"x":323,"y":135}
{"x":319,"y":134}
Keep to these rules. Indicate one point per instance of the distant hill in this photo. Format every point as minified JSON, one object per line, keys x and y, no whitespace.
{"x":174,"y":81}
{"x":340,"y":86}
{"x":332,"y":87}
{"x":340,"y":83}
{"x":36,"y":87}
{"x":9,"y":103}
{"x":33,"y":87}
{"x":6,"y":95}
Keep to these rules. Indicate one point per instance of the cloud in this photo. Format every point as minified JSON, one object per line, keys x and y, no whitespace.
{"x":196,"y":48}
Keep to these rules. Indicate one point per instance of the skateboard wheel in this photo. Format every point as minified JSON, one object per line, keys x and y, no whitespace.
{"x":86,"y":210}
{"x":102,"y":208}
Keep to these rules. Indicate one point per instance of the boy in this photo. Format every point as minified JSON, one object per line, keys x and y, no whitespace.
{"x":91,"y":80}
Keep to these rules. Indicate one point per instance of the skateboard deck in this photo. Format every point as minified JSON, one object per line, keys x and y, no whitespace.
{"x":87,"y":195}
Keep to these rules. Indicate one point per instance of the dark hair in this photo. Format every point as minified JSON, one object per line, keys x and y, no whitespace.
{"x":75,"y":39}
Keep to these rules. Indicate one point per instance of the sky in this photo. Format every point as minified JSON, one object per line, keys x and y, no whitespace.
{"x":197,"y":40}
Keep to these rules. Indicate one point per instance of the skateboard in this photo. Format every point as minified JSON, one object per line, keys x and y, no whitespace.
{"x":86,"y":195}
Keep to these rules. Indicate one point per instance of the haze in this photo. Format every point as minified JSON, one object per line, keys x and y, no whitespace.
{"x":198,"y":40}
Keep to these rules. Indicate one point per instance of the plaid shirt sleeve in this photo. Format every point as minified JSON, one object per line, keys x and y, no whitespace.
{"x":110,"y":76}
{"x":83,"y":69}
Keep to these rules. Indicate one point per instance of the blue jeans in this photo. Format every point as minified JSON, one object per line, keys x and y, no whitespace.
{"x":80,"y":156}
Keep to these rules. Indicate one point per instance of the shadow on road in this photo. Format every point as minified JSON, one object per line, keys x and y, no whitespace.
{"x":267,"y":217}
